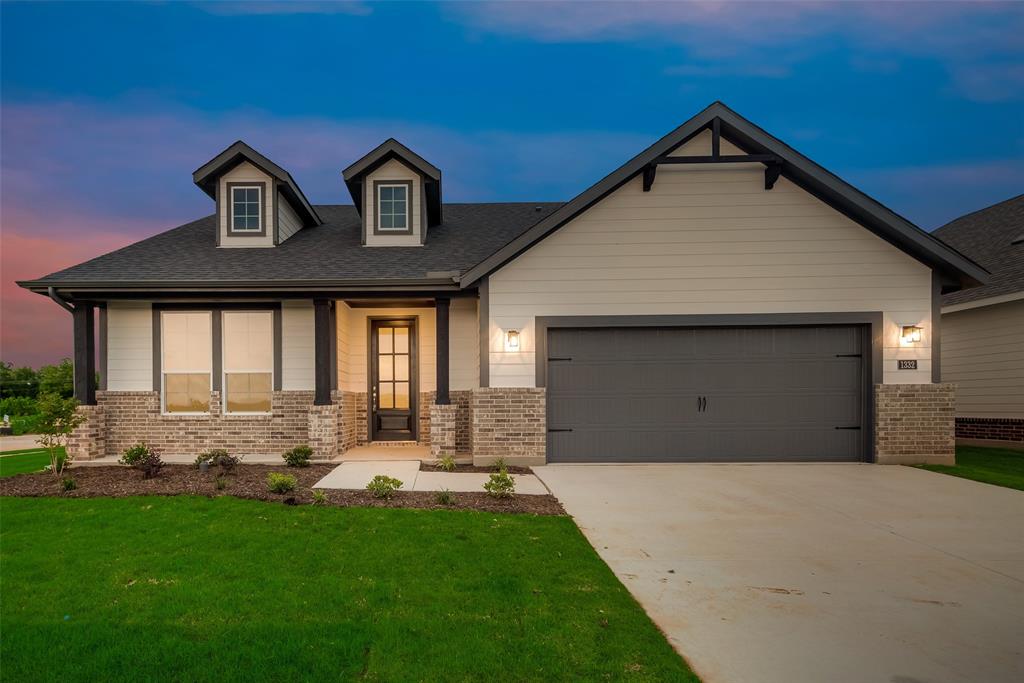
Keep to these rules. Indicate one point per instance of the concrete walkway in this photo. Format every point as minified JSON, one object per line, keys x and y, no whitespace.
{"x":357,"y":474}
{"x":838,"y":573}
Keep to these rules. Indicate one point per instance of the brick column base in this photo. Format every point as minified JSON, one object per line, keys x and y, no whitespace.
{"x":509,"y":423}
{"x":323,"y":430}
{"x":89,"y":440}
{"x":914,"y":424}
{"x":443,"y":430}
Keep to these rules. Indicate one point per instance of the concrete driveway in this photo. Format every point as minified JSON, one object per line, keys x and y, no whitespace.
{"x":835,"y":573}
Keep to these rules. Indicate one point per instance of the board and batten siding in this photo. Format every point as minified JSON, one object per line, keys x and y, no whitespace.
{"x":288,"y":222}
{"x":297,"y":344}
{"x":709,"y":240}
{"x":463,"y":345}
{"x":129,"y":346}
{"x":983,"y":354}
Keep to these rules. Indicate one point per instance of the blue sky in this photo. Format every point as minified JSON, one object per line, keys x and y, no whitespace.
{"x":108,"y":108}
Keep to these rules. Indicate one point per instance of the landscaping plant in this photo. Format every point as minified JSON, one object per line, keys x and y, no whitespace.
{"x":143,"y":458}
{"x":447,"y":463}
{"x":319,"y":497}
{"x":59,"y":417}
{"x":444,"y":497}
{"x":298,"y":456}
{"x":383,"y":486}
{"x":281,"y":483}
{"x":133,"y":455}
{"x":500,"y":485}
{"x":220,"y":483}
{"x":68,"y":484}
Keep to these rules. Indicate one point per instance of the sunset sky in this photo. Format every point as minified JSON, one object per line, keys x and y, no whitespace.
{"x":106,"y":109}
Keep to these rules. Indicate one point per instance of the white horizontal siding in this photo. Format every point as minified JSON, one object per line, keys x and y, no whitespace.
{"x":983,"y":353}
{"x":129,"y":346}
{"x":709,"y":241}
{"x":288,"y":222}
{"x":297,"y":346}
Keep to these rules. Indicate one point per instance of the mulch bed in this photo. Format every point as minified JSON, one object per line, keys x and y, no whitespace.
{"x":250,"y":481}
{"x":426,"y":467}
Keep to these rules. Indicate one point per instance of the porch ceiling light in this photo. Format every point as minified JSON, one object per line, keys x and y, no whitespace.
{"x":512,"y":340}
{"x":911,"y":334}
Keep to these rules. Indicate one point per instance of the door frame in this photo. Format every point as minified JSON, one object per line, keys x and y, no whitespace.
{"x":869,"y":321}
{"x":414,"y":371}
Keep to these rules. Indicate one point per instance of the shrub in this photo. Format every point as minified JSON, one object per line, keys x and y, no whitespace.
{"x":500,"y":485}
{"x":280,"y":483}
{"x":26,"y":424}
{"x":446,"y":463}
{"x":68,"y":484}
{"x":319,"y":497}
{"x":133,"y":455}
{"x":210,"y":456}
{"x":444,"y":497}
{"x":500,"y":465}
{"x":16,"y":406}
{"x":383,"y":486}
{"x":298,"y":456}
{"x":58,"y":417}
{"x":221,"y":483}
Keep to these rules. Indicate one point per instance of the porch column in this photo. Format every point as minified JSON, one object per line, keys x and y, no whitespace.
{"x":442,"y":307}
{"x":322,"y":351}
{"x":85,"y":354}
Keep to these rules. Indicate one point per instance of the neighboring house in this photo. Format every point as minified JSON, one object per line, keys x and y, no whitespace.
{"x":983,"y":327}
{"x":719,"y":297}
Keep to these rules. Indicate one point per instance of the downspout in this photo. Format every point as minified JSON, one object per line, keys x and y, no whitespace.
{"x":62,"y":302}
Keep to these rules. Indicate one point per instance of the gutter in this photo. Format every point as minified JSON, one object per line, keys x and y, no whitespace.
{"x":61,"y":301}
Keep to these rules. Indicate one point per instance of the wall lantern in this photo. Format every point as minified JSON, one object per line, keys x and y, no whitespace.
{"x":512,"y":340}
{"x":911,"y":334}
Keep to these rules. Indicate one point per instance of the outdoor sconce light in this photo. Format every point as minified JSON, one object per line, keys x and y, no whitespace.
{"x":512,"y":340}
{"x":911,"y":334}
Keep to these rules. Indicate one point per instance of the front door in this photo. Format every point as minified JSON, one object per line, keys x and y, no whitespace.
{"x":393,"y":380}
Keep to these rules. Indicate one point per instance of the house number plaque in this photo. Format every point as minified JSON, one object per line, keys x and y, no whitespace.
{"x":906,"y":365}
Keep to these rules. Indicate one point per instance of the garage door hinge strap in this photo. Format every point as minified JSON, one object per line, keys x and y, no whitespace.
{"x":565,"y":358}
{"x":849,"y":355}
{"x":559,"y":430}
{"x":856,"y":427}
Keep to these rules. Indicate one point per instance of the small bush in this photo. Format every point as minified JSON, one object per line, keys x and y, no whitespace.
{"x":319,"y":497}
{"x":68,"y":484}
{"x":446,"y":463}
{"x":209,"y":456}
{"x":281,"y":483}
{"x":500,"y":485}
{"x":150,"y":465}
{"x":18,"y":405}
{"x":298,"y":456}
{"x":444,"y":497}
{"x":26,"y":424}
{"x":500,"y":465}
{"x":221,"y":483}
{"x":133,"y":455}
{"x":383,"y":486}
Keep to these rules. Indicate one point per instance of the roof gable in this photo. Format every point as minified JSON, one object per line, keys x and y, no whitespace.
{"x":206,"y":177}
{"x":957,"y":270}
{"x":393,"y":149}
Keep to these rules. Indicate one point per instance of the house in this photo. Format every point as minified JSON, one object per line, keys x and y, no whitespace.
{"x":718,"y":297}
{"x":983,"y":327}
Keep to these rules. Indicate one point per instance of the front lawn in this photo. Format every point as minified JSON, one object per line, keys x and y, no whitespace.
{"x":188,"y":588}
{"x":27,"y":460}
{"x":999,"y":466}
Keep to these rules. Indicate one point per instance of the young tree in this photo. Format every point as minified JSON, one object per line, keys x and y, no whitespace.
{"x":57,"y":379}
{"x":59,"y":418}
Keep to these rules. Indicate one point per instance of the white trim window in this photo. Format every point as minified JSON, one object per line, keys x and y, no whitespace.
{"x":393,"y":206}
{"x":246,"y":208}
{"x":248,"y":355}
{"x":186,"y":349}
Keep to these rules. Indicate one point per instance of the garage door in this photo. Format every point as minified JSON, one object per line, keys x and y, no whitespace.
{"x":706,"y":394}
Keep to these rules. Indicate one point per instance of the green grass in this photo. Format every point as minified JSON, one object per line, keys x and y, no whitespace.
{"x":27,"y":460}
{"x":999,"y":466}
{"x":197,"y":589}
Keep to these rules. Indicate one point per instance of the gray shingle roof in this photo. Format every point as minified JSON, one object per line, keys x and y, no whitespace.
{"x":332,"y":251}
{"x":987,"y":237}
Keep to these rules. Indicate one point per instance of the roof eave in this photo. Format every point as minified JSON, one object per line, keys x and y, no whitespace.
{"x":242,"y":286}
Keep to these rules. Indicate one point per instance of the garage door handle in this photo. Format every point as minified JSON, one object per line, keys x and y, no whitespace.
{"x":559,"y":430}
{"x":854,"y":427}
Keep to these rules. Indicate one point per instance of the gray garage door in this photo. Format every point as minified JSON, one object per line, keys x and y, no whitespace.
{"x":706,"y":394}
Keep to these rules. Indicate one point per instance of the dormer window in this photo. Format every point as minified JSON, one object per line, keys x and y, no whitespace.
{"x":393,"y":207}
{"x":246,"y":209}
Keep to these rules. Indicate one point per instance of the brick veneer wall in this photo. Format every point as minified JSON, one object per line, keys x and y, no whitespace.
{"x":89,"y":440}
{"x":509,"y":423}
{"x":914,"y":423}
{"x":990,"y":428}
{"x":133,"y":416}
{"x":443,"y":425}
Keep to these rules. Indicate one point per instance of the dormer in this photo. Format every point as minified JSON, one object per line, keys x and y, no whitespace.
{"x":258,"y":202}
{"x":397,"y":194}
